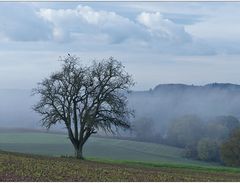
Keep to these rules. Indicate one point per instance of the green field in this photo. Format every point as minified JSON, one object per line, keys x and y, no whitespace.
{"x":96,"y":148}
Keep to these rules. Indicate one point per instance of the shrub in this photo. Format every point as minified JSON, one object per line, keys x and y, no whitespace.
{"x":230,"y":150}
{"x":185,"y":131}
{"x":208,"y":150}
{"x":220,"y":127}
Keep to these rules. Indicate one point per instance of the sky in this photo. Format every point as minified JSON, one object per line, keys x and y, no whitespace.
{"x":158,"y":42}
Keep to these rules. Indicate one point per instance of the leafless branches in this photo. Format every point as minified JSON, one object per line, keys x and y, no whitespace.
{"x":85,"y":99}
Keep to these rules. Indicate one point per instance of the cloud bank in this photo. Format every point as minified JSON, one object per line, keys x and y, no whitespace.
{"x":72,"y":24}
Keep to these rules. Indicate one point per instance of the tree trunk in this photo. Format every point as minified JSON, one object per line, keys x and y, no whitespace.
{"x":79,"y":153}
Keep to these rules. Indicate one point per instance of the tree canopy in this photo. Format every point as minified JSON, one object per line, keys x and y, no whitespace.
{"x":85,"y":98}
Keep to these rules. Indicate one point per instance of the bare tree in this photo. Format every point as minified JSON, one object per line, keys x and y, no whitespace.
{"x":85,"y":99}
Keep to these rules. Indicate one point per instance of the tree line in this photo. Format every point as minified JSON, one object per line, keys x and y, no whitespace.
{"x":214,"y":140}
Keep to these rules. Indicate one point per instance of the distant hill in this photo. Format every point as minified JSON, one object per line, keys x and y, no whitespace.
{"x":207,"y":87}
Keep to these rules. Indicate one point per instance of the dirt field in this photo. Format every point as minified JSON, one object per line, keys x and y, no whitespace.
{"x":20,"y":167}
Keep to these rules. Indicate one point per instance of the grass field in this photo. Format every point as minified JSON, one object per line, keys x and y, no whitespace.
{"x":106,"y":160}
{"x":21,"y":167}
{"x":100,"y":148}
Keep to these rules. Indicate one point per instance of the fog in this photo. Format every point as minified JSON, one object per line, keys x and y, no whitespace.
{"x":167,"y":102}
{"x":161,"y":105}
{"x":15,"y":109}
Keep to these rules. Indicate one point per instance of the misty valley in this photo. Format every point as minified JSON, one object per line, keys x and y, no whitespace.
{"x":197,"y":119}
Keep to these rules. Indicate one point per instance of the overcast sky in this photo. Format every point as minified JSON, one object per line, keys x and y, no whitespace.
{"x":158,"y":42}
